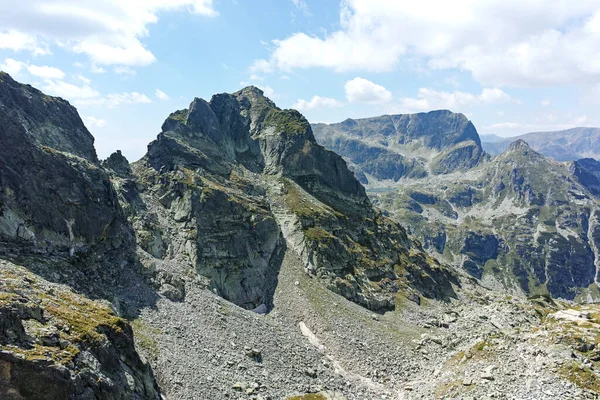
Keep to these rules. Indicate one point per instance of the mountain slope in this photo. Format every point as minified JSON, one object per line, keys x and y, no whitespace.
{"x":521,"y":219}
{"x":567,"y":145}
{"x":391,"y":147}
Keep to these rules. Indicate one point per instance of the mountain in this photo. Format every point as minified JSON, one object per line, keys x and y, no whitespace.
{"x":521,"y":220}
{"x":567,"y":145}
{"x":60,"y":217}
{"x":240,"y":259}
{"x":256,"y":168}
{"x":392,"y":147}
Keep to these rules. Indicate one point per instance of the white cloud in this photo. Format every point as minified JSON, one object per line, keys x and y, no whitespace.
{"x":14,"y":40}
{"x":360,"y":90}
{"x":302,"y":6}
{"x":501,"y":42}
{"x":161,"y":95}
{"x":46,"y":72}
{"x":429,"y":99}
{"x":13,"y":67}
{"x":124,"y":70}
{"x":69,"y":91}
{"x":94,"y":122}
{"x":83,"y":79}
{"x":317,"y":102}
{"x":546,"y":102}
{"x":269,"y":92}
{"x":116,"y":99}
{"x":94,"y":69}
{"x":109,"y":32}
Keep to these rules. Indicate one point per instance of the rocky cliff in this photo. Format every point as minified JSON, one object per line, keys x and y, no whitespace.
{"x":391,"y":147}
{"x":230,"y":184}
{"x":60,"y":216}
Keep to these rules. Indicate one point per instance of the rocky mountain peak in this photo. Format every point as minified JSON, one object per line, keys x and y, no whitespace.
{"x":118,"y":164}
{"x":519,"y":145}
{"x":390,"y":147}
{"x":51,"y":121}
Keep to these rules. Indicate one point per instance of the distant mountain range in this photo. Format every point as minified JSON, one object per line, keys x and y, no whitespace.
{"x":391,"y":147}
{"x":520,"y":220}
{"x":567,"y":145}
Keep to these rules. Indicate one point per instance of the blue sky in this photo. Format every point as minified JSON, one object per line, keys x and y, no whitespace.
{"x":511,"y":66}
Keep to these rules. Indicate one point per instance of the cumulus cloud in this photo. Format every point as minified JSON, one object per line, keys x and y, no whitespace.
{"x":360,"y":90}
{"x":15,"y":40}
{"x":429,"y":99}
{"x":161,"y":95}
{"x":69,"y":91}
{"x":501,"y":42}
{"x":94,"y":122}
{"x":42,"y":71}
{"x":317,"y":102}
{"x":116,"y":99}
{"x":108,"y":32}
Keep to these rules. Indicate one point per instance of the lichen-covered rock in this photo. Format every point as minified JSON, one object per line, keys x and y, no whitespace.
{"x":55,"y":344}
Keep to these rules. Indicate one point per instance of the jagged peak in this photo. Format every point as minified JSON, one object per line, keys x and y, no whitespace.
{"x":250,"y":90}
{"x":519,"y":144}
{"x":51,"y":121}
{"x":117,"y":163}
{"x":518,"y":149}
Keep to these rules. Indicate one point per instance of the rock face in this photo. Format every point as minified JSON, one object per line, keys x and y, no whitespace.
{"x":521,"y":219}
{"x":51,"y":121}
{"x":413,"y":146}
{"x":55,"y":344}
{"x":51,"y":200}
{"x":59,"y":212}
{"x":230,"y":184}
{"x":587,"y":173}
{"x":567,"y":145}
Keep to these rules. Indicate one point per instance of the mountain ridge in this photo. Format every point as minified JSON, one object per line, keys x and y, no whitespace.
{"x":565,"y":145}
{"x":241,"y":258}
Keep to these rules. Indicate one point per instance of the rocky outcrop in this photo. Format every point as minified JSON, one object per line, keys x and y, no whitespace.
{"x":50,"y":200}
{"x":232,"y":182}
{"x":55,"y":344}
{"x":587,"y":173}
{"x":51,"y":121}
{"x":60,"y":217}
{"x":391,"y":147}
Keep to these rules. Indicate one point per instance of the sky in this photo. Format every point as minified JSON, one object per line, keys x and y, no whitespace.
{"x":511,"y":66}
